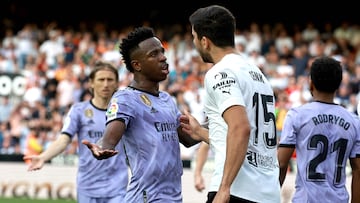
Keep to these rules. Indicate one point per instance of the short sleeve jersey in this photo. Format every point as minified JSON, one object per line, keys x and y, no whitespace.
{"x":151,"y":144}
{"x":234,"y":81}
{"x":324,"y":136}
{"x":104,"y":178}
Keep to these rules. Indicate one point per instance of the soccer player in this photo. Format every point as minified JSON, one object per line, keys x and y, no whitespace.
{"x":325,"y":136}
{"x":97,"y":181}
{"x":146,"y":119}
{"x":239,"y":104}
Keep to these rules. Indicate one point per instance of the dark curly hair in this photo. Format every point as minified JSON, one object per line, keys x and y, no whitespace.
{"x":326,"y":74}
{"x":131,"y":42}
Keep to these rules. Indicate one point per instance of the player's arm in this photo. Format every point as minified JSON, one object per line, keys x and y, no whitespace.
{"x":237,"y":144}
{"x":201,"y":157}
{"x":355,"y":183}
{"x":284,"y":155}
{"x":191,"y":131}
{"x":55,"y":148}
{"x":105,"y":147}
{"x":186,"y":139}
{"x":113,"y":133}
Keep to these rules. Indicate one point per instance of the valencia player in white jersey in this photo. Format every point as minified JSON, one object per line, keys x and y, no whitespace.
{"x":239,"y":104}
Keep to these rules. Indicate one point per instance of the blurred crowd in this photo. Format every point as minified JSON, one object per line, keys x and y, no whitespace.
{"x":55,"y":62}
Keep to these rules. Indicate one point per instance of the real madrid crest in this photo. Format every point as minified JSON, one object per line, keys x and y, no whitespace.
{"x":145,"y":99}
{"x":89,"y":113}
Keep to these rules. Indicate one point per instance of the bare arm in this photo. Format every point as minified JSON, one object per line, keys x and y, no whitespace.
{"x":105,"y":147}
{"x":186,"y":139}
{"x":190,"y":129}
{"x":55,"y":148}
{"x":201,"y":157}
{"x":237,"y":143}
{"x":355,"y":183}
{"x":284,"y":156}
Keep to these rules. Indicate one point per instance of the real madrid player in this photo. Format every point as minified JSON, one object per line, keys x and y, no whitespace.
{"x":326,"y":137}
{"x":146,"y":119}
{"x":239,"y":104}
{"x":97,"y":181}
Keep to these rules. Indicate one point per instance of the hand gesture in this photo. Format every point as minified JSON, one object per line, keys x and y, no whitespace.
{"x":35,"y":162}
{"x":190,"y":125}
{"x":98,"y":152}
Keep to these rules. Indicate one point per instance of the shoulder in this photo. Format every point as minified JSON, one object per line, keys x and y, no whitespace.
{"x":81,"y":105}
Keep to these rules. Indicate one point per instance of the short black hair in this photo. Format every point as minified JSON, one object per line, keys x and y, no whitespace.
{"x":131,"y":43}
{"x":216,"y":23}
{"x":326,"y":74}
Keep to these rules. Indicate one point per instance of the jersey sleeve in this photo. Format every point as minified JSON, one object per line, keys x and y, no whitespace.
{"x":71,"y":121}
{"x":225,"y":89}
{"x":288,"y":133}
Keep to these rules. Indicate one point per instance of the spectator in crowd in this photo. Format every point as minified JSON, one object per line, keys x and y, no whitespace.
{"x":146,"y":119}
{"x":325,"y":136}
{"x":97,"y":181}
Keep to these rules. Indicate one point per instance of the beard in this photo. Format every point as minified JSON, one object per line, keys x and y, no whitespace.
{"x":206,"y":57}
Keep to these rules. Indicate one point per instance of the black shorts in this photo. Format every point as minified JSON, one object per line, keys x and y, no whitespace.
{"x":233,"y":199}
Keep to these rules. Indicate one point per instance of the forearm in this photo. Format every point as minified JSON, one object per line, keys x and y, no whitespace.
{"x":203,"y":133}
{"x":113,"y":133}
{"x":355,"y":186}
{"x":55,"y":148}
{"x":201,"y":157}
{"x":282,"y":176}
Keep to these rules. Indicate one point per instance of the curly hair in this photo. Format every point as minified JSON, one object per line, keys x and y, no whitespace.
{"x":131,"y":43}
{"x":326,"y":74}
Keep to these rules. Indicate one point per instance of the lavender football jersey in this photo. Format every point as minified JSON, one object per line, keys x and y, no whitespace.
{"x":325,"y":136}
{"x":95,"y":178}
{"x":151,"y":144}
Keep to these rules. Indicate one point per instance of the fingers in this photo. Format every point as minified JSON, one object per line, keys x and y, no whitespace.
{"x":85,"y":142}
{"x":97,"y":152}
{"x":27,"y":157}
{"x":104,"y":154}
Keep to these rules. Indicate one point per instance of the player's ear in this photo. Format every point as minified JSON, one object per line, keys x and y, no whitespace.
{"x":311,"y":86}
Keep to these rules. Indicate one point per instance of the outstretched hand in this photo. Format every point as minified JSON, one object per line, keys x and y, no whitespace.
{"x":98,"y":152}
{"x":35,"y":162}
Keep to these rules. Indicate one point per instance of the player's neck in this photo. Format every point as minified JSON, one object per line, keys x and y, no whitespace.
{"x":100,"y":103}
{"x":146,"y":86}
{"x":324,"y":97}
{"x":219,"y":53}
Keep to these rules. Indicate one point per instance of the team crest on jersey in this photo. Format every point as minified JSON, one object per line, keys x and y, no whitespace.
{"x":145,"y":99}
{"x":89,"y":113}
{"x":112,"y":109}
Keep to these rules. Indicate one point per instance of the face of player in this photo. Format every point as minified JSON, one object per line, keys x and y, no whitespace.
{"x":201,"y":46}
{"x":151,"y":60}
{"x":104,"y":84}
